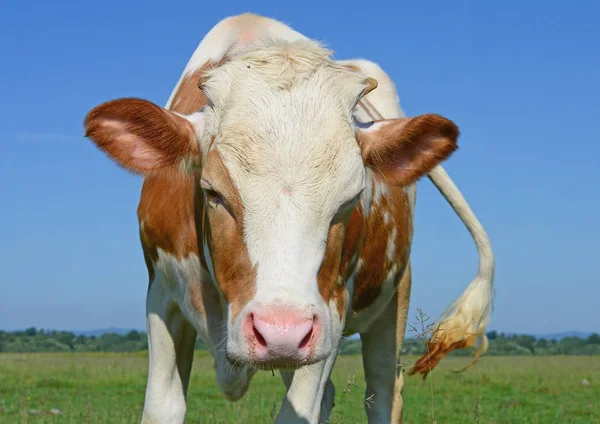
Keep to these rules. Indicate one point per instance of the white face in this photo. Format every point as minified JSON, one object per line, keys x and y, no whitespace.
{"x":291,"y":161}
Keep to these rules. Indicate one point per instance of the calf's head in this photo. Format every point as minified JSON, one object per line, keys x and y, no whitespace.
{"x":283,"y":165}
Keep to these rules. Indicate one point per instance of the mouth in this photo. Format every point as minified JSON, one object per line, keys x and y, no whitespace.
{"x":272,"y":364}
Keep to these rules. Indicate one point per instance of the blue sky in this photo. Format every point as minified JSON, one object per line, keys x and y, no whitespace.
{"x":521,"y":79}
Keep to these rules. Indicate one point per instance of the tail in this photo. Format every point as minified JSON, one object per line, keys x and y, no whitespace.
{"x":463,"y":324}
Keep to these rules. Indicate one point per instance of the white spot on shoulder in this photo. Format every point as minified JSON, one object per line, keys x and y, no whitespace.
{"x":391,"y":244}
{"x":386,"y":217}
{"x":381,"y":190}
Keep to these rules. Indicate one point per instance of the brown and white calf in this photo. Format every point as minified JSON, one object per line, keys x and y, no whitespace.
{"x":276,"y":216}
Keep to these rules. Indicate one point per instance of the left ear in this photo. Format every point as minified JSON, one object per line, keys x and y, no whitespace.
{"x":403,"y":150}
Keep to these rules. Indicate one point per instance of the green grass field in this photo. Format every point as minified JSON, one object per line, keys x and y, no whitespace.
{"x":109,"y":388}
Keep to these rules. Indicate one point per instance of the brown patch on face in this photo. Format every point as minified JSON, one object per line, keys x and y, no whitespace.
{"x":328,"y":277}
{"x":376,"y":266}
{"x":200,"y":218}
{"x":233,"y":270}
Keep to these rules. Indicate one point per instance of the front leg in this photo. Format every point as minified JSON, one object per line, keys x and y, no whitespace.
{"x":171,"y":340}
{"x":381,"y":345}
{"x":305,"y":395}
{"x":310,"y":392}
{"x":328,"y":400}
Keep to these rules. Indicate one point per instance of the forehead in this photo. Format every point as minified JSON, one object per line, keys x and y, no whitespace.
{"x":283,"y":117}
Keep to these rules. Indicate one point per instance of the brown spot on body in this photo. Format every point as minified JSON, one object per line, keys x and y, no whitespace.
{"x":355,"y":234}
{"x":376,"y":265}
{"x":329,"y":273}
{"x":344,"y":242}
{"x":166,"y":215}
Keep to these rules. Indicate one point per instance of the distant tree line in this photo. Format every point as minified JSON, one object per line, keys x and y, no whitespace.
{"x":34,"y":340}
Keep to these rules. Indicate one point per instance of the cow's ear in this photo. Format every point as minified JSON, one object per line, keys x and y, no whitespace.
{"x":143,"y":137}
{"x":403,"y":150}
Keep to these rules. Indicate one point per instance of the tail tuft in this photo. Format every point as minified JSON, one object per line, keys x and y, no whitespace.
{"x":463,"y":324}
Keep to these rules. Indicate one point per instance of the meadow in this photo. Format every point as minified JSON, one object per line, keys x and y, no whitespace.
{"x":109,"y":388}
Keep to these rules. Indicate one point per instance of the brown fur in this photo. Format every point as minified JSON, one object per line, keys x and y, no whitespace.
{"x":353,"y":242}
{"x":375,"y":264}
{"x":168,"y":139}
{"x":189,"y":97}
{"x":166,"y":216}
{"x":435,"y":353}
{"x":406,"y":149}
{"x":329,"y":273}
{"x":174,"y":229}
{"x":233,"y":270}
{"x":438,"y":348}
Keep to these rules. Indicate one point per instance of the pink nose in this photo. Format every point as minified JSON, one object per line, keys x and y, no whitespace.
{"x":281,"y":335}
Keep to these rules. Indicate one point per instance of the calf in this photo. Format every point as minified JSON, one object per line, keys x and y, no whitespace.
{"x":276,"y":216}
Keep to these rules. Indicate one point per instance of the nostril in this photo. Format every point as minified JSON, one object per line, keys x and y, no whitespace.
{"x":259,"y":338}
{"x":306,"y":339}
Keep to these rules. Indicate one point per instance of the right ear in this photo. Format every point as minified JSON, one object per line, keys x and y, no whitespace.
{"x":143,"y":137}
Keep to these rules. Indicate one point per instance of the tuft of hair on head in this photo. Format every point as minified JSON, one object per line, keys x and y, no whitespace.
{"x":283,"y":63}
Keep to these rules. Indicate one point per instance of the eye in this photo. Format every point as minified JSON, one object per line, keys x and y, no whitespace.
{"x":213,"y":198}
